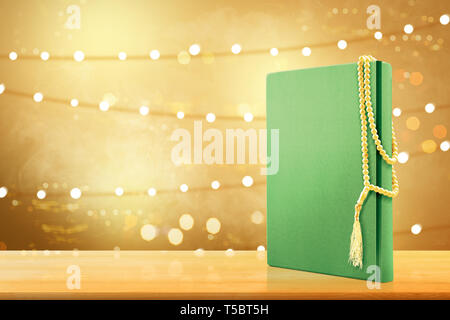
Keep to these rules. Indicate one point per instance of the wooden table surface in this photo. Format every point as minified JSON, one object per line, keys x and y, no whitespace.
{"x":206,"y":275}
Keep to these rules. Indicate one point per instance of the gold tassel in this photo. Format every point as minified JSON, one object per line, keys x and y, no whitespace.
{"x":356,"y":245}
{"x":356,"y":242}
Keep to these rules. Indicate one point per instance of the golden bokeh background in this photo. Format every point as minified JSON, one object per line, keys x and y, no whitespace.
{"x":48,"y":148}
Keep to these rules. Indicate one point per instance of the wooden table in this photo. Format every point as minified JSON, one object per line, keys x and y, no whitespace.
{"x":205,"y":275}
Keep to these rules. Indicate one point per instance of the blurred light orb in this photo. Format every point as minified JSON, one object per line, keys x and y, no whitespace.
{"x":175,"y":236}
{"x":342,"y":44}
{"x":445,"y":145}
{"x":429,"y":108}
{"x":41,"y":194}
{"x":78,"y":56}
{"x":154,"y":54}
{"x":3,"y":192}
{"x":13,"y":55}
{"x":444,"y":19}
{"x":151,"y":192}
{"x":413,"y":123}
{"x":184,"y":187}
{"x":104,"y":105}
{"x":75,"y":193}
{"x":378,"y":35}
{"x":148,"y":232}
{"x":213,"y":225}
{"x":408,"y":29}
{"x":144,"y":110}
{"x":403,"y":157}
{"x":429,"y":146}
{"x":260,"y":248}
{"x":184,"y":57}
{"x":74,"y":103}
{"x":45,"y":55}
{"x":229,"y":252}
{"x":119,"y":191}
{"x":210,"y":117}
{"x":2,"y":88}
{"x":247,"y":181}
{"x":257,"y":217}
{"x":440,"y":131}
{"x":248,"y":117}
{"x":38,"y":97}
{"x":215,"y":184}
{"x":306,"y":51}
{"x":186,"y":221}
{"x":122,"y":55}
{"x":180,"y":114}
{"x":194,"y":49}
{"x":416,"y":229}
{"x":274,"y":52}
{"x":397,"y":112}
{"x":236,"y":48}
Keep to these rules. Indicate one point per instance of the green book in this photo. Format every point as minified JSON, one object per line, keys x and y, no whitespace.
{"x":311,"y":199}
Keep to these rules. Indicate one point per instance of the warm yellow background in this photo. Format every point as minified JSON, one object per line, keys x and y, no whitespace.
{"x":54,"y":147}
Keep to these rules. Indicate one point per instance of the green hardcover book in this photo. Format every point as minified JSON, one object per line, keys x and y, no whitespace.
{"x":311,"y":200}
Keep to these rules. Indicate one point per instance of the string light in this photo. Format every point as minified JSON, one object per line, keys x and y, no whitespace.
{"x":444,"y":19}
{"x":78,"y":56}
{"x":445,"y":145}
{"x":144,"y":110}
{"x":210,"y":117}
{"x":45,"y":55}
{"x":397,"y":112}
{"x":248,"y":117}
{"x":13,"y":55}
{"x":403,"y":157}
{"x":184,"y":187}
{"x":74,"y":103}
{"x":41,"y":194}
{"x":154,"y":54}
{"x":104,"y":106}
{"x":75,"y":193}
{"x":236,"y":48}
{"x":378,"y":35}
{"x":3,"y":192}
{"x":408,"y":29}
{"x":194,"y":49}
{"x":119,"y":191}
{"x":429,"y":108}
{"x":151,"y":192}
{"x":274,"y":52}
{"x":2,"y":88}
{"x":215,"y":184}
{"x":38,"y":97}
{"x":247,"y":181}
{"x":342,"y":44}
{"x":416,"y":229}
{"x":306,"y":51}
{"x":122,"y":56}
{"x":180,"y":114}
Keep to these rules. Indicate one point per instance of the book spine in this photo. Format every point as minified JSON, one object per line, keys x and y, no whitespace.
{"x":384,"y":171}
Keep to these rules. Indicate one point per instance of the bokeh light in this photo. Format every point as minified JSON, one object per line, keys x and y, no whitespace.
{"x":148,"y":232}
{"x":215,"y":184}
{"x":122,"y":56}
{"x":3,"y":192}
{"x":45,"y":55}
{"x":144,"y":110}
{"x":257,"y":217}
{"x":236,"y":48}
{"x":75,"y":193}
{"x":378,"y":35}
{"x":408,"y":29}
{"x":429,"y":146}
{"x":416,"y":229}
{"x":413,"y":123}
{"x":175,"y":236}
{"x":184,"y":57}
{"x":342,"y":44}
{"x":440,"y":131}
{"x":154,"y":54}
{"x":429,"y":107}
{"x":396,"y":112}
{"x":247,"y":181}
{"x":445,"y":145}
{"x":444,"y":19}
{"x":213,"y":225}
{"x":78,"y":56}
{"x":274,"y":52}
{"x":119,"y":191}
{"x":41,"y":194}
{"x":184,"y":187}
{"x":403,"y":157}
{"x":186,"y":221}
{"x":248,"y":117}
{"x":13,"y":55}
{"x":306,"y":51}
{"x":103,"y":105}
{"x":194,"y":49}
{"x":74,"y":103}
{"x":151,"y":192}
{"x":38,"y":97}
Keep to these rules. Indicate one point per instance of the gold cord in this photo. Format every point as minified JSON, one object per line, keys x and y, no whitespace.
{"x":365,"y":105}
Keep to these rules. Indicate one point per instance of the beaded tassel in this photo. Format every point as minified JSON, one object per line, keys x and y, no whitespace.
{"x":365,"y":105}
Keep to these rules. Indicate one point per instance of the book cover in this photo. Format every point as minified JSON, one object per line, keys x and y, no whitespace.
{"x":311,"y":200}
